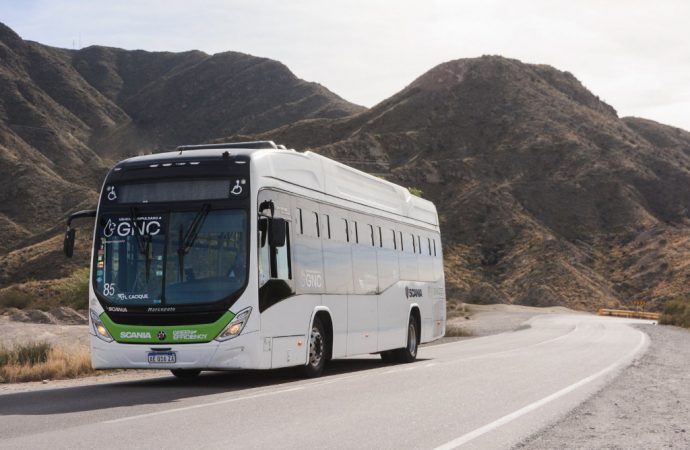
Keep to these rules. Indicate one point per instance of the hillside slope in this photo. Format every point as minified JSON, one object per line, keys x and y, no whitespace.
{"x":546,"y":197}
{"x":65,"y":115}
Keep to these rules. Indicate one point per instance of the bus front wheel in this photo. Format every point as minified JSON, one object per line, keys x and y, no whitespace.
{"x":316,"y":359}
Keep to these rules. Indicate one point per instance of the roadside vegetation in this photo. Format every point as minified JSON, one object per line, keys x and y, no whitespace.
{"x":38,"y":361}
{"x":676,"y":312}
{"x":72,"y":291}
{"x":453,"y":330}
{"x":456,"y":310}
{"x":415,"y":191}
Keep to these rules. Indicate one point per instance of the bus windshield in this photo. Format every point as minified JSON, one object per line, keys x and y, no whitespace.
{"x":172,"y":258}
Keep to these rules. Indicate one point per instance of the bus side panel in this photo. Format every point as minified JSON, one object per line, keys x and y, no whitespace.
{"x":394,"y":313}
{"x":288,"y":318}
{"x":362,"y":324}
{"x":337,"y":306}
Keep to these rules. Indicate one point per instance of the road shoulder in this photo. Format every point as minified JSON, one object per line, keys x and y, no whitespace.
{"x":647,"y":406}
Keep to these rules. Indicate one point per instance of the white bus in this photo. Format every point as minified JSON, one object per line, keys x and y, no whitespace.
{"x":251,"y":256}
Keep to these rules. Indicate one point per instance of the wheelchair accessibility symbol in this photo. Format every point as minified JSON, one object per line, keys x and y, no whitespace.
{"x":111,"y":193}
{"x":237,"y":189}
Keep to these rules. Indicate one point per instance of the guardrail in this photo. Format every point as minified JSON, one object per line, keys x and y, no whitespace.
{"x":629,"y":314}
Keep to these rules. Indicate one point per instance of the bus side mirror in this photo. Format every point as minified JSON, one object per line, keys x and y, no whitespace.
{"x":68,"y":244}
{"x":276,"y":234}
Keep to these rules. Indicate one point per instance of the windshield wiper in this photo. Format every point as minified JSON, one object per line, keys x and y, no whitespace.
{"x":143,"y":242}
{"x":186,"y":242}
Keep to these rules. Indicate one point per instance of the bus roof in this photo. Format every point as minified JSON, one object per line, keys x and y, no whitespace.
{"x":315,"y":172}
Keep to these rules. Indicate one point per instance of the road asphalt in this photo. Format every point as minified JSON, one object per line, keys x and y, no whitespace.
{"x":489,"y":392}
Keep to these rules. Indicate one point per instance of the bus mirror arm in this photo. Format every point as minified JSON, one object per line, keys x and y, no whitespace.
{"x":70,"y":234}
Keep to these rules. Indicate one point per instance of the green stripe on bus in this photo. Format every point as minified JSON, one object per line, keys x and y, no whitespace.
{"x":164,"y":334}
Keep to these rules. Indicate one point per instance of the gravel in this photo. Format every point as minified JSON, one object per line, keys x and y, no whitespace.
{"x":647,"y":406}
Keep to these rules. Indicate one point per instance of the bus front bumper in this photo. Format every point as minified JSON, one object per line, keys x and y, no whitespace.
{"x":242,"y":352}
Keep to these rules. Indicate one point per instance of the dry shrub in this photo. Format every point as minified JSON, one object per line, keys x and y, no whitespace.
{"x":455,"y":309}
{"x":456,"y":331}
{"x":14,"y":298}
{"x":41,"y":361}
{"x":676,"y":312}
{"x":72,"y":291}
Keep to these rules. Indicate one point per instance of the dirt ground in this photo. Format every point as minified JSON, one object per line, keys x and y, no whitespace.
{"x":484,"y":320}
{"x":647,"y":406}
{"x":12,"y":332}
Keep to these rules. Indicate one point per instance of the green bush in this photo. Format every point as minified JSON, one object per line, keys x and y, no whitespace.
{"x":75,"y":291}
{"x":676,"y":312}
{"x":14,"y":298}
{"x":415,"y":191}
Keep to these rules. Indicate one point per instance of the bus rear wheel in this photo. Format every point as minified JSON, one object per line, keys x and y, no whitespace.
{"x":408,"y":353}
{"x":186,"y":373}
{"x":388,"y":356}
{"x":316,"y":358}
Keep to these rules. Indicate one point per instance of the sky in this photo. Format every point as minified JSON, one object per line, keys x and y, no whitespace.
{"x":635,"y":55}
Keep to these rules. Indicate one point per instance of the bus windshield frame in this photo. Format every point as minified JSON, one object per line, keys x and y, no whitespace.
{"x":179,"y":255}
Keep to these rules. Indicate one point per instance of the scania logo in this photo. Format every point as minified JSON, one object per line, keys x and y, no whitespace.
{"x":135,"y":335}
{"x":161,"y":335}
{"x":412,"y":292}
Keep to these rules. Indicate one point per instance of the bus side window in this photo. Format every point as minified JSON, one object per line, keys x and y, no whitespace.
{"x":347,"y":231}
{"x":434,"y":247}
{"x":301,"y":225}
{"x":316,"y":224}
{"x":280,"y":258}
{"x":328,"y":225}
{"x":371,"y":233}
{"x":414,"y":248}
{"x":356,"y":233}
{"x":419,"y":244}
{"x":402,"y":246}
{"x":264,"y":255}
{"x":380,"y":238}
{"x":429,"y":242}
{"x":395,"y":241}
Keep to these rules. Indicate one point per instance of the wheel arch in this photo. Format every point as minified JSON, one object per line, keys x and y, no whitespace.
{"x":416,"y":313}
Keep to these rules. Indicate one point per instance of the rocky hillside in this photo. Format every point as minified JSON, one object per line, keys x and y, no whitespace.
{"x":65,"y":115}
{"x":546,"y":196}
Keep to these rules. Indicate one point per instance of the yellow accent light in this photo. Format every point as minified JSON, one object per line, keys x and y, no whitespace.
{"x":235,"y":328}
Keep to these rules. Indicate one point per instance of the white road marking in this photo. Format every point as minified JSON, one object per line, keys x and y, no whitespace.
{"x":342,"y":378}
{"x":499,"y":334}
{"x":203,"y":405}
{"x":465,"y":438}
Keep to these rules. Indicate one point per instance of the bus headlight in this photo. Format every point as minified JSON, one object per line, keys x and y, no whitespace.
{"x":236,"y":326}
{"x":100,"y":329}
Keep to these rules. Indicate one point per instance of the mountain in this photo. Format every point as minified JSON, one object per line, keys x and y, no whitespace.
{"x":546,"y":196}
{"x":66,"y":115}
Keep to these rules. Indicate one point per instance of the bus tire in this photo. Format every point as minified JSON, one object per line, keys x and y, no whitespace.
{"x":408,"y":353}
{"x":186,"y":373}
{"x":318,"y":353}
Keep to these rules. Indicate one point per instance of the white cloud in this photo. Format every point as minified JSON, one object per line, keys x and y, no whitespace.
{"x":633,"y":54}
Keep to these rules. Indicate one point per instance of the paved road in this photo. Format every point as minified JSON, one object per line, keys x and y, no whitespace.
{"x":488,"y":392}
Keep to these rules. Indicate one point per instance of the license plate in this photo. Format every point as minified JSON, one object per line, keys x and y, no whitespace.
{"x":162,"y":358}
